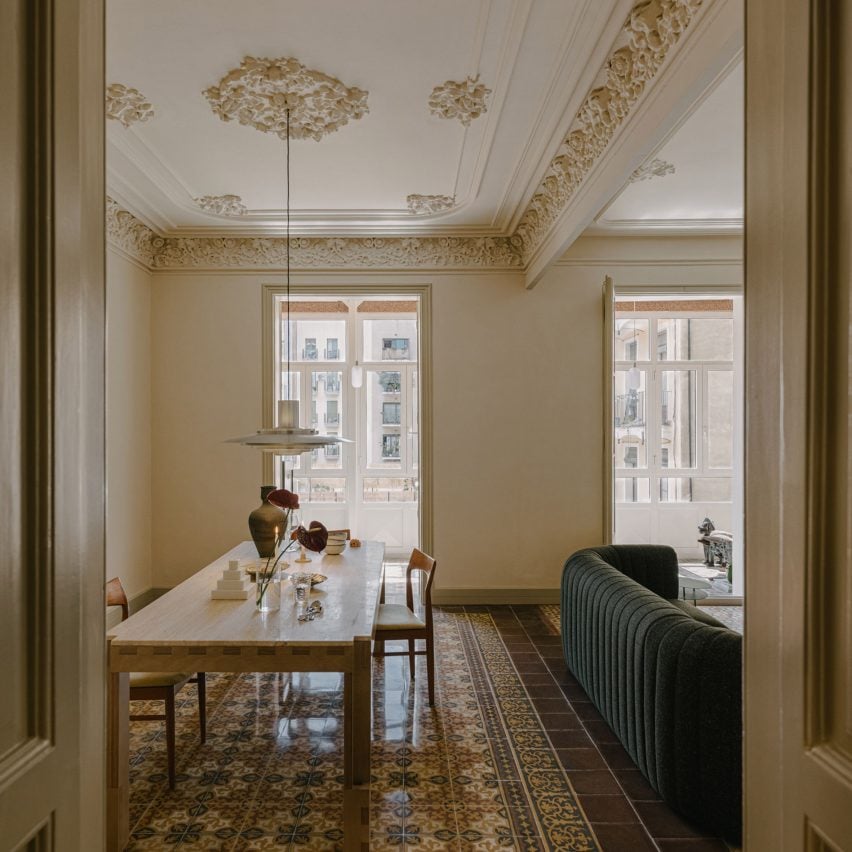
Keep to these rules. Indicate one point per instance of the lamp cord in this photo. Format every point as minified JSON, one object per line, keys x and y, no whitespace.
{"x":287,"y":204}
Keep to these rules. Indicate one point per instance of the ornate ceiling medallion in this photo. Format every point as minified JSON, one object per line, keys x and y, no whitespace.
{"x":127,"y":105}
{"x":260,"y":91}
{"x":222,"y":205}
{"x":463,"y":100}
{"x":651,"y":169}
{"x":423,"y":204}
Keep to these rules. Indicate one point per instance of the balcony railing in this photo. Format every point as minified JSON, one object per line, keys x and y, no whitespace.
{"x":331,"y":354}
{"x":310,"y":353}
{"x":332,"y":419}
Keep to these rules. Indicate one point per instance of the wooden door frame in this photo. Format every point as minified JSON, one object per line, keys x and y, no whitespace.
{"x":798,"y":774}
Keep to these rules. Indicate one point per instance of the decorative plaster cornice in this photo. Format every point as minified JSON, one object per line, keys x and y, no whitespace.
{"x":223,"y":205}
{"x":652,"y":28}
{"x":464,"y":99}
{"x":651,"y":169}
{"x":423,"y":204}
{"x":259,"y":93}
{"x":127,"y":105}
{"x":130,"y":235}
{"x":127,"y":233}
{"x":338,"y":252}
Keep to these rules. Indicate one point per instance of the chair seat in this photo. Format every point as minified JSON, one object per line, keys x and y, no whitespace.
{"x":157,"y":678}
{"x":397,"y":617}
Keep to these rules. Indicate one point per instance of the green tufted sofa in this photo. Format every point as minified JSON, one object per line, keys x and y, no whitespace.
{"x":664,"y":675}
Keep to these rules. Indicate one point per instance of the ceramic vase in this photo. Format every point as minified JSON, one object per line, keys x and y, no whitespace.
{"x":263,"y":522}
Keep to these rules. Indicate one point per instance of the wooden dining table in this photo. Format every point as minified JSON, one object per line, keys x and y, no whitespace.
{"x":186,"y":631}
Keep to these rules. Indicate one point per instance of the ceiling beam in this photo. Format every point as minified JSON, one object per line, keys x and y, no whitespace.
{"x":707,"y":50}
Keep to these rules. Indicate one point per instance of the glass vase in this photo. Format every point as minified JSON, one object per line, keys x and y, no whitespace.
{"x":268,"y":591}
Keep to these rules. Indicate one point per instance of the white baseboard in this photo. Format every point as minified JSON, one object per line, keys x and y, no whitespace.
{"x":137,"y":602}
{"x":451,"y":597}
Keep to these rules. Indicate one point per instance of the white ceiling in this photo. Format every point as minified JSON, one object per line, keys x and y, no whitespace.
{"x":537,"y":57}
{"x":705,"y":191}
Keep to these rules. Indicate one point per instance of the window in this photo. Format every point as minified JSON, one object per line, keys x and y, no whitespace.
{"x":390,"y":382}
{"x":673,"y":408}
{"x":371,"y":485}
{"x":332,"y":415}
{"x":390,"y":447}
{"x":390,"y":413}
{"x":395,"y":349}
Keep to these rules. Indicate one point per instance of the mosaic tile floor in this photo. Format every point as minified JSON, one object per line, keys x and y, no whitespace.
{"x":513,"y":756}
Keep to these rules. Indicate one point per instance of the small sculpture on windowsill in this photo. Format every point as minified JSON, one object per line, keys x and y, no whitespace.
{"x":705,"y":528}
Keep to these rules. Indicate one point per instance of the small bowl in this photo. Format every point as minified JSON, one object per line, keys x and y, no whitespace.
{"x":334,"y":548}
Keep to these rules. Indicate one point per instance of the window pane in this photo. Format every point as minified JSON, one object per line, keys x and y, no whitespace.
{"x":390,"y":340}
{"x":384,"y":418}
{"x":720,"y":418}
{"x":415,"y":421}
{"x":703,"y":339}
{"x":629,"y":415}
{"x":381,"y":489}
{"x":632,"y":489}
{"x":690,"y":489}
{"x":677,"y":418}
{"x":631,"y":339}
{"x":315,"y":340}
{"x":316,"y":489}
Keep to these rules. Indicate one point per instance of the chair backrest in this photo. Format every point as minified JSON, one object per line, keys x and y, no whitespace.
{"x":420,"y":561}
{"x":115,"y":596}
{"x":346,"y":533}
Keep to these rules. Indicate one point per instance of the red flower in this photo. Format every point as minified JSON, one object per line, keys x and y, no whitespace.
{"x":314,"y":538}
{"x":283,"y":499}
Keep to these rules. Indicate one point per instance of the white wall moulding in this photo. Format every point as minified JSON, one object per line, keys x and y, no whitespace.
{"x":649,"y":33}
{"x":259,"y":93}
{"x":464,"y":100}
{"x":140,"y":242}
{"x":127,"y":105}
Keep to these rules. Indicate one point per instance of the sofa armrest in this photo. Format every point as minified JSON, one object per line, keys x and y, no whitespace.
{"x":653,"y":566}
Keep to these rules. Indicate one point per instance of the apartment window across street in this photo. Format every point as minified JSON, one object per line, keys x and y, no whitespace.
{"x":371,"y":486}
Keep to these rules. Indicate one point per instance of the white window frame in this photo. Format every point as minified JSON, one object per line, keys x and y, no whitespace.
{"x":389,"y":289}
{"x":652,"y":367}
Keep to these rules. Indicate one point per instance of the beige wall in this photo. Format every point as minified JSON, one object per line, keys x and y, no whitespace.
{"x":128,"y":423}
{"x":517,"y":396}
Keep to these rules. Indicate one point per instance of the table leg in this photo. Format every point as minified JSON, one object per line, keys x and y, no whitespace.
{"x":357,"y":730}
{"x":118,"y":759}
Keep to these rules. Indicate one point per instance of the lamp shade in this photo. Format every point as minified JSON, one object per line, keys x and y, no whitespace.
{"x":287,"y":438}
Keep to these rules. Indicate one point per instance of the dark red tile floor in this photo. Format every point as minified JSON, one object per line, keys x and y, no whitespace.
{"x":625,"y":812}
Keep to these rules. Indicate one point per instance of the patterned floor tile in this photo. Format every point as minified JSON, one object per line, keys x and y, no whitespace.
{"x":476,"y":772}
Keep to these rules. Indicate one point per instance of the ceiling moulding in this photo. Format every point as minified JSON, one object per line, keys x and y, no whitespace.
{"x":652,"y":28}
{"x":421,"y":205}
{"x":132,"y":237}
{"x":126,"y":105}
{"x":222,"y":205}
{"x":464,"y":100}
{"x":126,"y":233}
{"x":653,"y":168}
{"x":261,"y":91}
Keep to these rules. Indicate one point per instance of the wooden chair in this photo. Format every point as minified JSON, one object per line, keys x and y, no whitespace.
{"x":160,"y":686}
{"x":396,"y":621}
